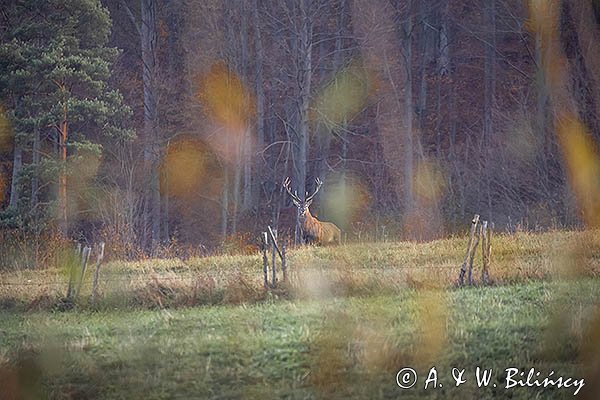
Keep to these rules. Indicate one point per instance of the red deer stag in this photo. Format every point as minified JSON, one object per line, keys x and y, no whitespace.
{"x":313,"y":230}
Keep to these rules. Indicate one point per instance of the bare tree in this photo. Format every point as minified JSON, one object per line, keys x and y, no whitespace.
{"x":146,"y":28}
{"x":376,"y":32}
{"x":489,"y":93}
{"x":151,"y":128}
{"x":260,"y":96}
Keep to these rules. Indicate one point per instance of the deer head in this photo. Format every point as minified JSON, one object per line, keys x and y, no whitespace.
{"x":302,"y":205}
{"x":313,"y":230}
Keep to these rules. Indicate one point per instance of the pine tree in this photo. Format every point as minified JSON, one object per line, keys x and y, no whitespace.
{"x":54,"y":72}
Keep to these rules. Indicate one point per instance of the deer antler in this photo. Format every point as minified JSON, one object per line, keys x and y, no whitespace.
{"x":319,"y":184}
{"x":286,"y":185}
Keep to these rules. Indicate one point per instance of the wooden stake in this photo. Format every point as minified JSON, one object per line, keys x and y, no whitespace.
{"x":274,"y":249}
{"x":273,"y":235}
{"x":472,"y":256}
{"x":487,"y":252}
{"x":283,"y":264}
{"x":72,"y":271}
{"x":463,"y":268}
{"x":265,"y":240}
{"x":484,"y":261}
{"x":85,"y":256}
{"x":97,"y":272}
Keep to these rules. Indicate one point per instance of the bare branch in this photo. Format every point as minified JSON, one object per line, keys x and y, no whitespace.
{"x":131,"y":18}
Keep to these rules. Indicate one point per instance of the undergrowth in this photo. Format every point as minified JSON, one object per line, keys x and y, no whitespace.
{"x":314,"y":272}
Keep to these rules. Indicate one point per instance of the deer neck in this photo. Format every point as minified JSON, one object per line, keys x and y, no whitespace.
{"x":306,"y":216}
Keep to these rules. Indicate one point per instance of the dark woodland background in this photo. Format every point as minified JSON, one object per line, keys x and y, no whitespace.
{"x":162,"y":124}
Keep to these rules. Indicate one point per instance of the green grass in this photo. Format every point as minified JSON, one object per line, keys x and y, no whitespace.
{"x":348,"y":320}
{"x":354,"y":269}
{"x":333,"y":348}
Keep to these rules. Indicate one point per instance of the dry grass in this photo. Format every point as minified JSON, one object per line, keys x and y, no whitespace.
{"x":314,"y":272}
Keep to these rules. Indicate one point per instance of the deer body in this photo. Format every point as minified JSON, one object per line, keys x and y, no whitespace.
{"x":313,"y":230}
{"x":319,"y":232}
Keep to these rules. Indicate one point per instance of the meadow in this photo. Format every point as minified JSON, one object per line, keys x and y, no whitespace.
{"x":347,"y":321}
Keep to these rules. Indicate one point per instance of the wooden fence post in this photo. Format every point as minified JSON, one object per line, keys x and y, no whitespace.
{"x":486,"y":247}
{"x":265,"y":240}
{"x":271,"y":237}
{"x":85,"y":256}
{"x":463,"y":268}
{"x":491,"y":228}
{"x":283,"y":264}
{"x":273,"y":255}
{"x":72,"y":264}
{"x":97,"y":271}
{"x":472,"y":256}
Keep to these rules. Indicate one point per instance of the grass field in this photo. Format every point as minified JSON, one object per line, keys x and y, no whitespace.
{"x":349,"y":320}
{"x":354,"y":269}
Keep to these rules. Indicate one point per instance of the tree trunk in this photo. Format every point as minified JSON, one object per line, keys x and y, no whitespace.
{"x":16,"y":174}
{"x":326,"y":137}
{"x":588,"y":37}
{"x":166,"y":234}
{"x":62,"y":178}
{"x":425,"y":58}
{"x":489,"y":94}
{"x":260,"y":100}
{"x":374,"y":26}
{"x":441,"y":73}
{"x":304,"y":67}
{"x":489,"y":68}
{"x":239,"y":140}
{"x":35,"y":162}
{"x":304,"y":81}
{"x":444,"y":42}
{"x":173,"y":12}
{"x":151,"y":135}
{"x":446,"y":67}
{"x":247,"y":201}
{"x":541,"y":118}
{"x":247,"y":135}
{"x":546,"y":20}
{"x":408,"y":110}
{"x":225,"y":203}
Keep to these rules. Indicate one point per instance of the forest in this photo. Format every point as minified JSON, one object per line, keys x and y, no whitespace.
{"x":168,"y":126}
{"x":299,"y":199}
